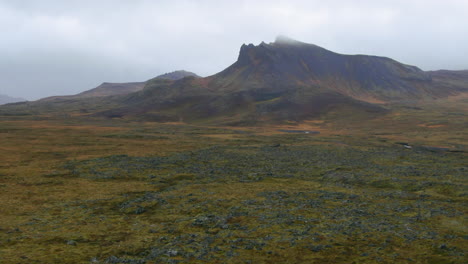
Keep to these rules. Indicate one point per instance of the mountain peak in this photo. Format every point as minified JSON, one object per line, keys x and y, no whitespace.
{"x":281,"y":39}
{"x":278,"y":52}
{"x":176,"y":75}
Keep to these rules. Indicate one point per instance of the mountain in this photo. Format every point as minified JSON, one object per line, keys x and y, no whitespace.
{"x":449,"y":79}
{"x":111,"y":89}
{"x":5,"y":99}
{"x":107,"y":89}
{"x":288,"y":62}
{"x":177,"y":75}
{"x":285,"y":80}
{"x":288,"y":80}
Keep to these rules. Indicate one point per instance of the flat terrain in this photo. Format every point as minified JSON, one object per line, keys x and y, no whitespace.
{"x":388,"y":190}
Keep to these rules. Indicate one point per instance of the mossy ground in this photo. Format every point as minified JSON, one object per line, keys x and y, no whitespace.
{"x":75,"y":191}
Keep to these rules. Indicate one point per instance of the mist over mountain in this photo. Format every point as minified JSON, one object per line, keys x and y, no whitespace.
{"x":5,"y":99}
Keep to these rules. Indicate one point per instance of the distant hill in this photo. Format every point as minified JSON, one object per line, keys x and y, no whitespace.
{"x":5,"y":99}
{"x":445,"y":79}
{"x":177,"y":75}
{"x":112,"y":89}
{"x":107,"y":89}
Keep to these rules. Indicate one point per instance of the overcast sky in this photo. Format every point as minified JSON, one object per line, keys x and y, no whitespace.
{"x":57,"y":47}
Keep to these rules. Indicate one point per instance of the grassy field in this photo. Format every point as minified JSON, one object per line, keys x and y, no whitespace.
{"x":390,"y":190}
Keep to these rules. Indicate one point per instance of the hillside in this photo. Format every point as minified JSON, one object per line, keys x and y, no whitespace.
{"x":288,"y":80}
{"x":112,"y":89}
{"x":445,"y":79}
{"x":283,"y":81}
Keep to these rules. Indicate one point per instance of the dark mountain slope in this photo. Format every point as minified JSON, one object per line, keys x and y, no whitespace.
{"x":287,"y":62}
{"x":286,"y":80}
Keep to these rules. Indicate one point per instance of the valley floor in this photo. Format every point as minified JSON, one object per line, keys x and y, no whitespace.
{"x":390,"y":191}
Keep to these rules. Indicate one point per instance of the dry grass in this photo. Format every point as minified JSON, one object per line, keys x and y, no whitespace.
{"x":43,"y":206}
